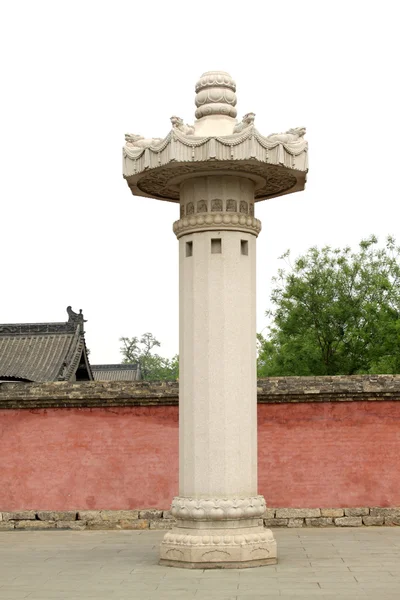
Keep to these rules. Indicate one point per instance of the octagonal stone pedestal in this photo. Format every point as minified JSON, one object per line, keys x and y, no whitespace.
{"x":218,"y":533}
{"x":214,"y":549}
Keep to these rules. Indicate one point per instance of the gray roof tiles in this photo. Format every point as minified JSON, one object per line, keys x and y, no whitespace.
{"x":42,"y":352}
{"x":117,"y":372}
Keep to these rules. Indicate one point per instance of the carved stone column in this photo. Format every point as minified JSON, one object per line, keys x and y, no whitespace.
{"x":217,"y":169}
{"x":218,"y":509}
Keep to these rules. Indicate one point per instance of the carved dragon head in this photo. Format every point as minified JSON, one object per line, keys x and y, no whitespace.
{"x":176,"y":121}
{"x":300,"y":131}
{"x":249,"y":118}
{"x":132,"y":137}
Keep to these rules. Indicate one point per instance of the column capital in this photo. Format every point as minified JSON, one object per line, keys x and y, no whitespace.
{"x":217,"y":203}
{"x":217,"y":222}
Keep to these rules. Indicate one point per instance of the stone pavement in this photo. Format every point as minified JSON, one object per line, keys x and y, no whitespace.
{"x":121,"y":565}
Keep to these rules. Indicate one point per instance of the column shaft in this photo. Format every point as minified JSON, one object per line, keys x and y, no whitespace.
{"x":218,"y":510}
{"x":217,"y":428}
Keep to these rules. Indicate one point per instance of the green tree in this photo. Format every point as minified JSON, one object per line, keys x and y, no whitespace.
{"x":153,"y":367}
{"x":335,"y":312}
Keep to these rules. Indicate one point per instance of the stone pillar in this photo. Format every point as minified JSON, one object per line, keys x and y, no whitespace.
{"x":218,"y":509}
{"x":216,"y":169}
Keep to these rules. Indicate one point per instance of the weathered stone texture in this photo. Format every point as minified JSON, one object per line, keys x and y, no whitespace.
{"x":88,"y":515}
{"x":348,"y":521}
{"x":63,"y":394}
{"x":338,"y":388}
{"x":320,"y":522}
{"x":356,"y":512}
{"x":297,"y":513}
{"x":385,"y":512}
{"x":373,"y":521}
{"x":23,"y":515}
{"x":295,"y":522}
{"x":392,"y":520}
{"x":35,"y":525}
{"x":162,"y":519}
{"x":146,"y":393}
{"x":276,"y":522}
{"x":75,"y":525}
{"x":134,"y":524}
{"x":118,"y":524}
{"x":151,"y":513}
{"x":269,"y":513}
{"x":162,"y":524}
{"x":100,"y":524}
{"x":48,"y":515}
{"x":117,"y":515}
{"x":332,"y":512}
{"x":167,"y":514}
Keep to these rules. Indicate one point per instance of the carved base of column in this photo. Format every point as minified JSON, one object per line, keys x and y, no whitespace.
{"x":218,"y":533}
{"x":219,"y":546}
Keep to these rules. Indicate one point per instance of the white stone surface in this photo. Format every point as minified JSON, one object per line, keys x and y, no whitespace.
{"x":214,"y":125}
{"x":217,"y":168}
{"x":217,"y":379}
{"x":216,"y":142}
{"x":215,"y":95}
{"x":218,"y":510}
{"x":227,"y":547}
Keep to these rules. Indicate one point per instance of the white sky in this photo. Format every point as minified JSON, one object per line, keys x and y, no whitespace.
{"x":77,"y":75}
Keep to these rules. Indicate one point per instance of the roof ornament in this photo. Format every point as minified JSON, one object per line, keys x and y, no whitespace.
{"x":138,"y":141}
{"x":290,"y":136}
{"x":178,"y":124}
{"x":74,"y":317}
{"x":247,"y":121}
{"x":62,"y":376}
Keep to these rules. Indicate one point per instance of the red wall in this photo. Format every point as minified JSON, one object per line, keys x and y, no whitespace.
{"x":310,"y":455}
{"x":325,"y":455}
{"x":115,"y":458}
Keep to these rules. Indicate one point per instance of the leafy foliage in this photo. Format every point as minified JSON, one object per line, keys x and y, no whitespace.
{"x":153,"y":367}
{"x":335,"y":312}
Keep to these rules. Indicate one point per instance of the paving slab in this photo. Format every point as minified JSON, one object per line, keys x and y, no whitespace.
{"x":122,"y":565}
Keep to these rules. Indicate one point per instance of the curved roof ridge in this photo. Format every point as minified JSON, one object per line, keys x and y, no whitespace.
{"x":41,"y":352}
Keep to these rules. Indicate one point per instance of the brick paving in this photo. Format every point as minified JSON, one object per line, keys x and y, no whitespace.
{"x":121,"y":565}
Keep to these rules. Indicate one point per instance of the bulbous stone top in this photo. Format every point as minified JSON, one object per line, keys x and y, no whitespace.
{"x":215,"y":95}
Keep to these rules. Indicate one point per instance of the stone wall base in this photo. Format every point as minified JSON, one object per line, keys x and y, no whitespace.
{"x":161,"y":519}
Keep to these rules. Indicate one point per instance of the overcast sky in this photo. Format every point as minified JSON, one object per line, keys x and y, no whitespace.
{"x":77,"y":75}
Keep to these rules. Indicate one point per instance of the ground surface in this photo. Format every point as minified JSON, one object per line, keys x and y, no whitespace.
{"x":122,"y":565}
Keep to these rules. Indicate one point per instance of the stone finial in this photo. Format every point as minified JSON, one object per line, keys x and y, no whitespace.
{"x":215,"y":95}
